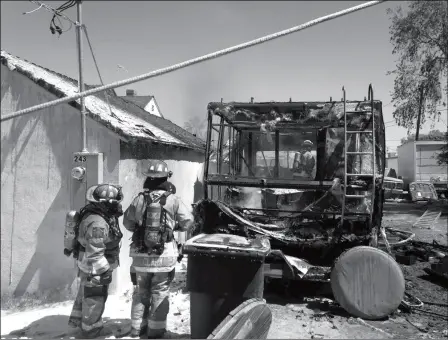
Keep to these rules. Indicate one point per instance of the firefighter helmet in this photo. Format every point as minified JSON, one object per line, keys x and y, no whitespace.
{"x":307,"y":143}
{"x":157,"y":169}
{"x":104,"y":193}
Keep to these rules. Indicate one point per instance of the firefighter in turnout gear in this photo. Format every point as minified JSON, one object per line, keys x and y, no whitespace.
{"x":99,"y":236}
{"x":304,"y":162}
{"x":171,"y":188}
{"x":152,"y":217}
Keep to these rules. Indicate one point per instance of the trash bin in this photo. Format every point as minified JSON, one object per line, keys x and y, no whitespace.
{"x":223,"y":271}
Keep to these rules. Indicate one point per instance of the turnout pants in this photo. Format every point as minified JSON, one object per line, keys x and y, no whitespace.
{"x":89,"y":306}
{"x":150,"y":303}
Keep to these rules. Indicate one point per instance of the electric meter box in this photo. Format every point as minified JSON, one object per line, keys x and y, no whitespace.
{"x":223,"y":271}
{"x":87,"y":170}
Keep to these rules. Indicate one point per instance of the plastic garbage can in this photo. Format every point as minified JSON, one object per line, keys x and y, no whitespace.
{"x":223,"y":271}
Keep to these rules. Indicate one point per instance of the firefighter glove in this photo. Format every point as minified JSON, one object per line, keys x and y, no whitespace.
{"x":103,"y":279}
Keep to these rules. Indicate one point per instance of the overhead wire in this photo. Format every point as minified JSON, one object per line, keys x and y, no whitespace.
{"x":57,"y":13}
{"x":193,"y":61}
{"x":84,"y":28}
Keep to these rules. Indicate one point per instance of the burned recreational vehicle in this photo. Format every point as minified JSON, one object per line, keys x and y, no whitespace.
{"x":307,"y":175}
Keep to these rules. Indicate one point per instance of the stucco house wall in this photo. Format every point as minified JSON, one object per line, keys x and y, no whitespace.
{"x":36,"y":160}
{"x":37,"y":154}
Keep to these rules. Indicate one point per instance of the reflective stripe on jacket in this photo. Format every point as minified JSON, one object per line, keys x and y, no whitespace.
{"x":153,"y":263}
{"x":175,"y":211}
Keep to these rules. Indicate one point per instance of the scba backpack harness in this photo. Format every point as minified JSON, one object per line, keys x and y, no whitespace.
{"x":154,"y":232}
{"x":72,"y":222}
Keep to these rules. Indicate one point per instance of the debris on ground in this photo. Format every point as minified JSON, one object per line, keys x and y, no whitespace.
{"x":423,"y":312}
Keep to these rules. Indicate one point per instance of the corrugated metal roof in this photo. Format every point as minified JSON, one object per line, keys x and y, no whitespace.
{"x":127,"y":119}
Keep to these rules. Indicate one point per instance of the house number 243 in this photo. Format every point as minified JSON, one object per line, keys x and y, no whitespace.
{"x":79,"y":159}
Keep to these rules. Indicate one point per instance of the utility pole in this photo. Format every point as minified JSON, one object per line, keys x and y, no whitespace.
{"x":79,"y":33}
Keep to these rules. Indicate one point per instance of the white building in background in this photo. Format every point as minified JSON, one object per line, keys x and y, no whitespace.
{"x":392,"y":161}
{"x":147,"y":103}
{"x":417,"y":161}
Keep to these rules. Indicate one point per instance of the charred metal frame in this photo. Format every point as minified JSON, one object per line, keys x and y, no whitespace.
{"x":236,"y":128}
{"x":297,"y":231}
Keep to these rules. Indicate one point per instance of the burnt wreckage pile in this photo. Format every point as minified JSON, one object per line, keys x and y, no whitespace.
{"x":254,"y":184}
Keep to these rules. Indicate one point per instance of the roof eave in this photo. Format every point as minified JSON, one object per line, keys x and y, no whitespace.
{"x":135,"y":140}
{"x":121,"y":134}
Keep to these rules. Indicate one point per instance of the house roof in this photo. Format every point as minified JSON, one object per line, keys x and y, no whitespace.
{"x":127,"y":119}
{"x":423,"y":142}
{"x":429,"y":142}
{"x":141,"y":101}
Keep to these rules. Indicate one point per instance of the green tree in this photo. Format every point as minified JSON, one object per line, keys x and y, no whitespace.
{"x":431,"y":135}
{"x":420,"y":39}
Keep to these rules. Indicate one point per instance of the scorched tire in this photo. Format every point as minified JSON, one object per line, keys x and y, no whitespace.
{"x":367,"y":283}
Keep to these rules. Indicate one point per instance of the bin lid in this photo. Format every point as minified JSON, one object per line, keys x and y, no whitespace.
{"x":227,"y":242}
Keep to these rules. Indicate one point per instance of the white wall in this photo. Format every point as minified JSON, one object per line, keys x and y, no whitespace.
{"x":152,"y":108}
{"x":36,"y":160}
{"x":406,"y":164}
{"x":426,"y":162}
{"x":185,"y":165}
{"x":393,"y":164}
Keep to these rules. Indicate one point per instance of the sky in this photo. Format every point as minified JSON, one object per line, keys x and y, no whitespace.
{"x":130,"y":38}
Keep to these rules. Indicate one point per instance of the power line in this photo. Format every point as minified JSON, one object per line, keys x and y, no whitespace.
{"x":84,"y":28}
{"x":57,"y":14}
{"x":193,"y":61}
{"x":51,"y":9}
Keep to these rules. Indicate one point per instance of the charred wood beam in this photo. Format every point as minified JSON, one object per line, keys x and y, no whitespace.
{"x":207,"y":151}
{"x":250,"y":150}
{"x":230,"y":149}
{"x":277,"y":151}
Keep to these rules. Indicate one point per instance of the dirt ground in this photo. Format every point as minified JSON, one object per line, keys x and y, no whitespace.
{"x":302,"y":311}
{"x":321,"y":318}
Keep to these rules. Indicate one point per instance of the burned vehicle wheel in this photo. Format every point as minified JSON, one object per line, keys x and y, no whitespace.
{"x":367,"y":283}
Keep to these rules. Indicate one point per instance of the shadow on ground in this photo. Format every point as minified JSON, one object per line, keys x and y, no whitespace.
{"x":295,"y":291}
{"x":56,"y":326}
{"x":442,"y":282}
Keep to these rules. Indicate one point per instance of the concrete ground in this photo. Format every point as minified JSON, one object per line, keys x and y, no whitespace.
{"x":293,"y":318}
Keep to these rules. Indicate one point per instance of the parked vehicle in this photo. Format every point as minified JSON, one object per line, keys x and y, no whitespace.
{"x":440,"y":185}
{"x":393,"y":185}
{"x":422,"y":191}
